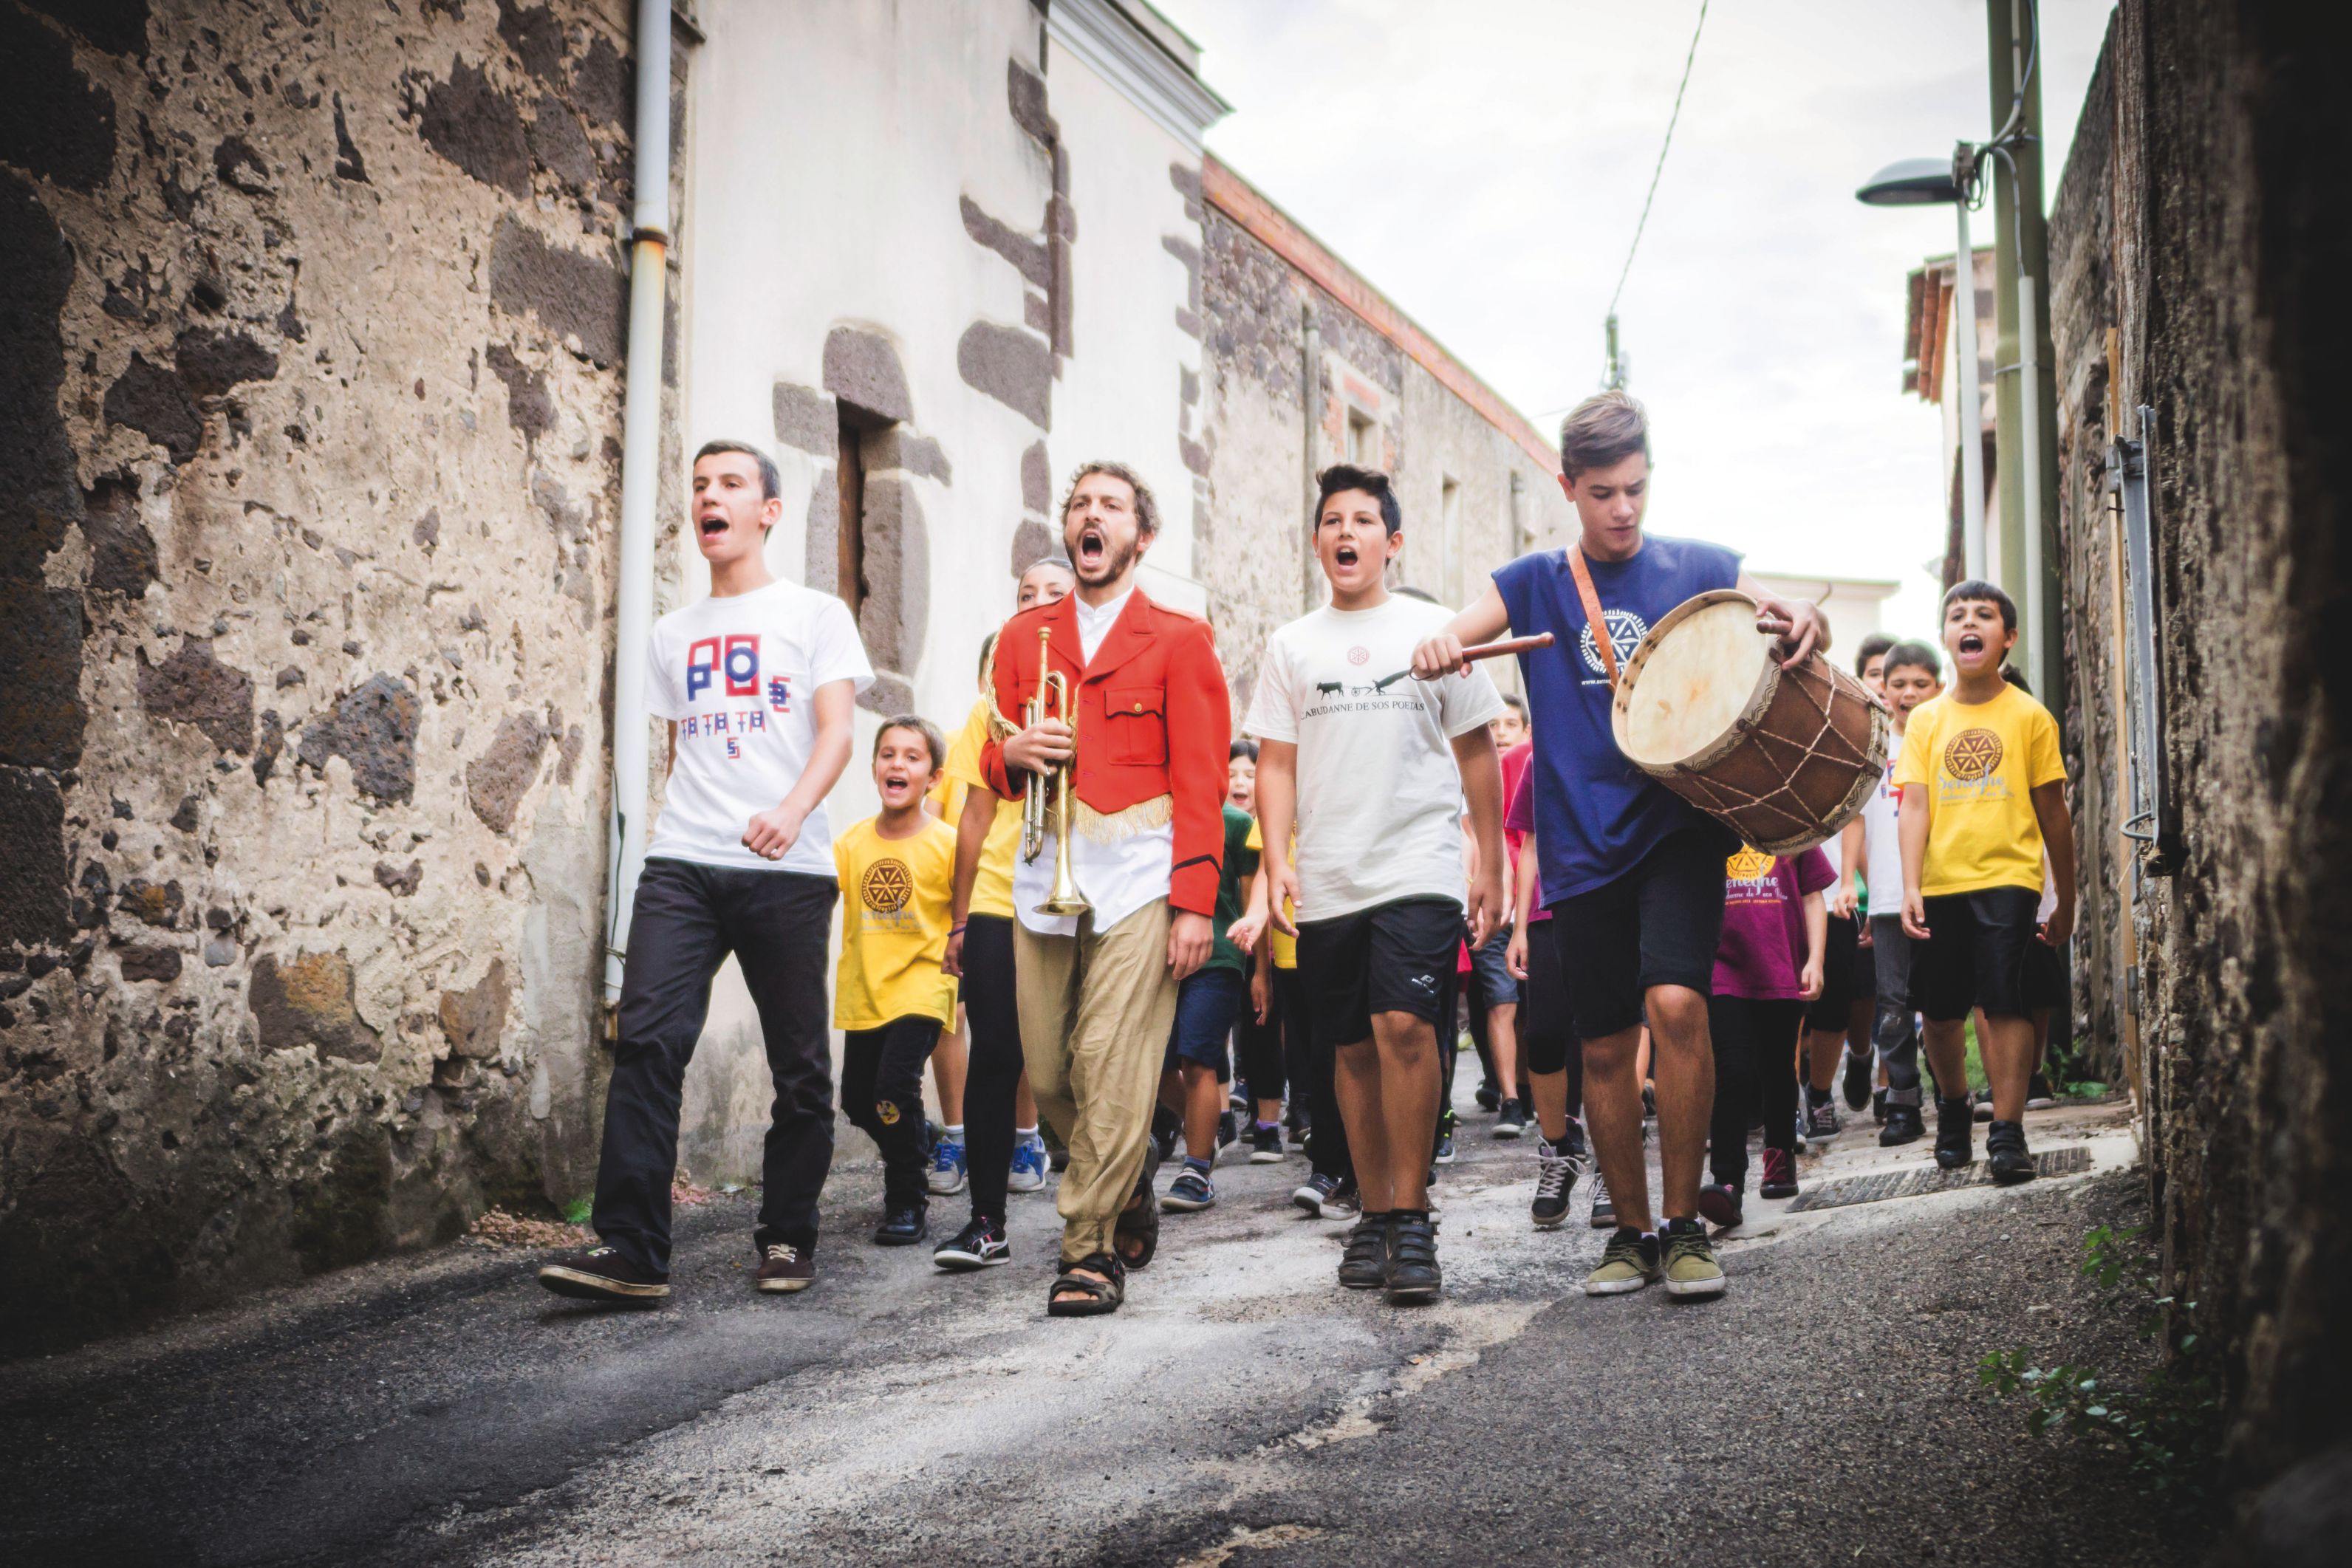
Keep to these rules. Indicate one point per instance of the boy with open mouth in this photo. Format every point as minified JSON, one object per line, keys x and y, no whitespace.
{"x":1984,"y":797}
{"x":758,"y":682}
{"x":890,"y":999}
{"x":1374,"y":769}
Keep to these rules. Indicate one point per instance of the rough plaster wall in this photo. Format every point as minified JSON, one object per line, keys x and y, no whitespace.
{"x":2229,"y":253}
{"x":309,"y":405}
{"x":1253,"y":554}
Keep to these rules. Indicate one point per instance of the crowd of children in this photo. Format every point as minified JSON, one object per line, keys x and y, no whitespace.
{"x":1397,"y":862}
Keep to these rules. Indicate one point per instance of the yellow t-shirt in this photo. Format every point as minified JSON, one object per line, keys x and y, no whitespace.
{"x":895,"y":894}
{"x":1981,"y":763}
{"x":991,"y":890}
{"x":1284,"y":946}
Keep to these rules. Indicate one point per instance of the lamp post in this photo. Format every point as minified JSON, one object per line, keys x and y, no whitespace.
{"x":1925,"y":183}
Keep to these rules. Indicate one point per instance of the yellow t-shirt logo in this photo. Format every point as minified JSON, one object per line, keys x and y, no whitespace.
{"x":1748,"y":865}
{"x":887,"y":886}
{"x":1972,"y":754}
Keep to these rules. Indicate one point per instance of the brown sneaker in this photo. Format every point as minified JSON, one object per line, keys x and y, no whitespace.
{"x":784,"y":1266}
{"x":602,"y":1274}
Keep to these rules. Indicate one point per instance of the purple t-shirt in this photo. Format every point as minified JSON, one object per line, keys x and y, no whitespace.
{"x":1519,"y":819}
{"x":1763,"y":953}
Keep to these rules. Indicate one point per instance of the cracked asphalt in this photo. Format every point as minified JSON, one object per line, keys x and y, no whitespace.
{"x":1242,"y":1410}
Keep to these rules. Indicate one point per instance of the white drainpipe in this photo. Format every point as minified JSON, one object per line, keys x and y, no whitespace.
{"x":640,"y":482}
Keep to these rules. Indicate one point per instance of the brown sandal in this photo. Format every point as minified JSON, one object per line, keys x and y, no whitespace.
{"x":1139,"y":1222}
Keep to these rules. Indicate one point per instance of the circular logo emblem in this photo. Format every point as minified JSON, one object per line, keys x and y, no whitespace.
{"x":1359,"y":655}
{"x":1748,"y":865}
{"x":887,"y":886}
{"x":1972,"y":754}
{"x":1626,"y":631}
{"x":888,"y":1111}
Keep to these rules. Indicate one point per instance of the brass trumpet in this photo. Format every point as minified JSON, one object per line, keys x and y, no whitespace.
{"x":1046,"y":805}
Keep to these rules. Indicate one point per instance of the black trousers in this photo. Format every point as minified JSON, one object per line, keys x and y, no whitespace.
{"x":882,"y":1095}
{"x":1327,"y":1132}
{"x":1755,"y":1054}
{"x":991,"y":1081}
{"x":687,"y":919}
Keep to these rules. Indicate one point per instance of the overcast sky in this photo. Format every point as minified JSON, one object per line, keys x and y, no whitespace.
{"x":1483,"y":163}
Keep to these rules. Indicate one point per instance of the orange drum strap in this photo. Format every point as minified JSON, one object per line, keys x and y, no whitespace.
{"x":1594,"y":615}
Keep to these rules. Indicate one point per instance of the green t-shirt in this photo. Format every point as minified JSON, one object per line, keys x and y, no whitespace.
{"x":1241,"y":864}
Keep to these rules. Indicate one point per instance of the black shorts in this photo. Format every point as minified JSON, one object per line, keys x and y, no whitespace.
{"x":1656,"y":925}
{"x":1394,"y":958}
{"x":1826,"y":1013}
{"x":1975,"y":955}
{"x":2045,"y":976}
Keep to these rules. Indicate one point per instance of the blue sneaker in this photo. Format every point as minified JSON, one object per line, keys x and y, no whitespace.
{"x":1029,"y":1164}
{"x":947,"y":1172}
{"x":1189,"y":1192}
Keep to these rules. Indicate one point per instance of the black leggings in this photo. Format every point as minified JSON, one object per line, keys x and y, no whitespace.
{"x":1755,"y":1053}
{"x":1262,"y":1064}
{"x":992,"y":1078}
{"x":1326,"y":1134}
{"x":1547,"y":1031}
{"x":882,"y":1095}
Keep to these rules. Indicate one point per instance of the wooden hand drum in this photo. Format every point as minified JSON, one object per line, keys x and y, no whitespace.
{"x":1783,"y":757}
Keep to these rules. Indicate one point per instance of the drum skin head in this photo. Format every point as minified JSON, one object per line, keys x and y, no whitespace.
{"x":1693,"y":678}
{"x":1783,"y":757}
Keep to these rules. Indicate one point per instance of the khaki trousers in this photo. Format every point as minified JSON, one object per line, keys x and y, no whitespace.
{"x":1096,"y":1013}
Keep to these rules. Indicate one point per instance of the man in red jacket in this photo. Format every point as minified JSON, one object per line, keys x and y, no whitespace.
{"x":1098,"y":990}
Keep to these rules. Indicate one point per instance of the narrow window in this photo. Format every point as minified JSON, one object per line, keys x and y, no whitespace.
{"x":1363,"y":440}
{"x":851,"y":584}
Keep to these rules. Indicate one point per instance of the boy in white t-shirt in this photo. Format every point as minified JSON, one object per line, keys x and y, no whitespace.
{"x":757,"y":681}
{"x":1913,"y":674}
{"x":1373,"y":767}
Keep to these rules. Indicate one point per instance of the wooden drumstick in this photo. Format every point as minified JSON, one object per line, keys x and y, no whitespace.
{"x":1492,"y":651}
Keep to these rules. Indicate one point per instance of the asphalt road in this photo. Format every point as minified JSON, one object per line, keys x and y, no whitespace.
{"x":1242,"y":1410}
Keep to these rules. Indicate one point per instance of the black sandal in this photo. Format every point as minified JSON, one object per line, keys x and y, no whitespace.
{"x":1139,"y":1221}
{"x":1094,"y":1298}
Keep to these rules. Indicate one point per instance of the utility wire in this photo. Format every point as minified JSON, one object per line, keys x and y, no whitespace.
{"x":1661,"y":169}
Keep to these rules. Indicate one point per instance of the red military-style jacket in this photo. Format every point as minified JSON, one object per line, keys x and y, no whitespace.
{"x":1152,"y":720}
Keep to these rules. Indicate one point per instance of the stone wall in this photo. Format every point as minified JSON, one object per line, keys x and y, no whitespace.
{"x":1253,"y":551}
{"x":2200,"y":219}
{"x":311,"y":395}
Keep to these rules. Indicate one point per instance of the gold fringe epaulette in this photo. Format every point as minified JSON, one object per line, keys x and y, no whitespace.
{"x":1143,"y":817}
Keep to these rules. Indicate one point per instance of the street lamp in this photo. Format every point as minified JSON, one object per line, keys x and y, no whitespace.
{"x":1925,"y":183}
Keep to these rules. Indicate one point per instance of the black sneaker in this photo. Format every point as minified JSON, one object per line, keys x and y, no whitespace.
{"x":1413,"y":1272}
{"x":1511,"y":1121}
{"x":1984,"y":1102}
{"x":1604,"y":1207}
{"x":979,"y":1245}
{"x":1821,"y":1118}
{"x":901,"y":1227}
{"x":1903,"y":1125}
{"x":1445,"y":1147}
{"x":1856,"y":1079}
{"x":602,"y":1274}
{"x":1573,"y":1145}
{"x":1720,"y":1204}
{"x":1487,"y":1099}
{"x":2005,"y":1153}
{"x":2039,"y":1095}
{"x":1955,"y":1133}
{"x":1363,"y":1264}
{"x":1229,"y":1131}
{"x":1325,"y":1198}
{"x":1555,"y":1179}
{"x":785,"y":1268}
{"x":1266,"y":1144}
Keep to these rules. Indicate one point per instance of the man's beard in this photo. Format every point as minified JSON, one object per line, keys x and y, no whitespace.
{"x":1117,"y":559}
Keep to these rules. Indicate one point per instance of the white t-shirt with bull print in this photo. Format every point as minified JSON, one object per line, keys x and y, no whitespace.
{"x":1380,"y":799}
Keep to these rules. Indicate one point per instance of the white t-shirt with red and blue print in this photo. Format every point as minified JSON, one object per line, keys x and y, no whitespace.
{"x":736,"y":674}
